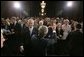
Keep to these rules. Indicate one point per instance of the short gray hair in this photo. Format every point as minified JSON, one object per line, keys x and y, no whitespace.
{"x":43,"y":30}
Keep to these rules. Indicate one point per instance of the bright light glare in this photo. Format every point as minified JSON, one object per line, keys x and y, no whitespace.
{"x":42,"y":14}
{"x":43,"y":4}
{"x":69,"y":4}
{"x":43,"y":7}
{"x":42,"y":10}
{"x":17,"y":5}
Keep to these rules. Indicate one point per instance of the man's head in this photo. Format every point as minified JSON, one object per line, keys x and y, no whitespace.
{"x":30,"y":22}
{"x":41,"y":22}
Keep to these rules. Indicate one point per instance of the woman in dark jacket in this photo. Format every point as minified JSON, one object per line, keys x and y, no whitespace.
{"x":39,"y":43}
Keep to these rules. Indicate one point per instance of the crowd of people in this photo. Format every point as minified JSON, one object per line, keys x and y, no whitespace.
{"x":41,"y":37}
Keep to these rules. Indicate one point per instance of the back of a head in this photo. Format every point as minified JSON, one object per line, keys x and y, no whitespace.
{"x":43,"y":30}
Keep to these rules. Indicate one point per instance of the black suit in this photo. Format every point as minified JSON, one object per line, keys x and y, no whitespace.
{"x":52,"y":36}
{"x":27,"y":39}
{"x":74,"y":43}
{"x":12,"y":26}
{"x":59,"y":32}
{"x":12,"y":44}
{"x":60,"y":43}
{"x":38,"y":47}
{"x":17,"y":27}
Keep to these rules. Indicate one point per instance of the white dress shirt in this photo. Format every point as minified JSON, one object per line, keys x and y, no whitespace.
{"x":31,"y":29}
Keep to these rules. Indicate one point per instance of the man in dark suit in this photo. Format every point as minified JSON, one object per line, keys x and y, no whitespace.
{"x":28,"y":33}
{"x":52,"y":36}
{"x":74,"y":42}
{"x":51,"y":31}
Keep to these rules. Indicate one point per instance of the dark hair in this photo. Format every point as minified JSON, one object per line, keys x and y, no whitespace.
{"x":78,"y":26}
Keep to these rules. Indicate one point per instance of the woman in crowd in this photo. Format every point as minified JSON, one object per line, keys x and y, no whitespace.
{"x":66,"y":28}
{"x":39,"y":44}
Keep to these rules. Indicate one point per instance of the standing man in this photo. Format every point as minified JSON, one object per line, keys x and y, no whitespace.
{"x":29,"y":32}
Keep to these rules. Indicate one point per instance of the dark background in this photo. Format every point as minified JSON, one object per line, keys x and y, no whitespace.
{"x":33,"y":8}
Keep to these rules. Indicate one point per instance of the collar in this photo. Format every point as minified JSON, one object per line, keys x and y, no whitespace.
{"x":31,"y":27}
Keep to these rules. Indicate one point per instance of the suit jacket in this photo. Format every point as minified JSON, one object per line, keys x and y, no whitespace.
{"x":27,"y":39}
{"x":38,"y":47}
{"x":12,"y":44}
{"x":50,"y":34}
{"x":17,"y":27}
{"x":11,"y":26}
{"x":59,"y":32}
{"x":74,"y":43}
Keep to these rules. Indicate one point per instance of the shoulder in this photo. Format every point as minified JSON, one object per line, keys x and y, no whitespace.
{"x":70,"y":34}
{"x":75,"y":33}
{"x":78,"y":32}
